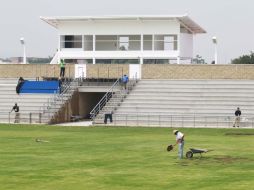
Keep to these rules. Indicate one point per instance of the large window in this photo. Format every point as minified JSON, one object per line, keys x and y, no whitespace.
{"x":123,"y":43}
{"x":148,"y":42}
{"x":71,"y":41}
{"x":88,"y":43}
{"x":134,"y":42}
{"x":117,"y":61}
{"x":118,"y":43}
{"x":156,"y":61}
{"x":106,"y":43}
{"x":165,"y":42}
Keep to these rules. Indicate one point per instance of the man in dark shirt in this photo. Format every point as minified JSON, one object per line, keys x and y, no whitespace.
{"x":15,"y":108}
{"x":19,"y":85}
{"x":237,"y":117}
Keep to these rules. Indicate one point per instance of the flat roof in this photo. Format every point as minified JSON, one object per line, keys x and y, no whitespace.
{"x":184,"y":20}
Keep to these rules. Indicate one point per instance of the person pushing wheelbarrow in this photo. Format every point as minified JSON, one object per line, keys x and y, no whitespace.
{"x":179,"y":141}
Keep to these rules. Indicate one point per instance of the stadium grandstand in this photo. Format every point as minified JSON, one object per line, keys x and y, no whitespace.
{"x":164,"y":89}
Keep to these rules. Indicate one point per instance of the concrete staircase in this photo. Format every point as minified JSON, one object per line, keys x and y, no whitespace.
{"x":116,"y":97}
{"x":194,"y":103}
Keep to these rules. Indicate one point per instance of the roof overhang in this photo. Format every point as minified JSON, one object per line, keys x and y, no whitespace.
{"x":184,"y":20}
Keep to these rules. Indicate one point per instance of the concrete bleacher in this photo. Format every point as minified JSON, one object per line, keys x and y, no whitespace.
{"x":193,"y":102}
{"x":28,"y":103}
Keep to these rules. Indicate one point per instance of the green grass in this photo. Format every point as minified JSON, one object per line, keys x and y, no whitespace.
{"x":123,"y":158}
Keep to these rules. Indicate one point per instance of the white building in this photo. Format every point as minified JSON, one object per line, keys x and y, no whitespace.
{"x":134,"y":39}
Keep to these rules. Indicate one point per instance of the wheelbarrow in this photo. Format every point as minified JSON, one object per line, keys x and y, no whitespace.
{"x":192,"y":151}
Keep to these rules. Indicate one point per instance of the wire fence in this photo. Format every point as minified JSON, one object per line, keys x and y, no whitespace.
{"x":19,"y":117}
{"x":181,"y":120}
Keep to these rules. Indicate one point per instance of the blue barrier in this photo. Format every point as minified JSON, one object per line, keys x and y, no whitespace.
{"x":47,"y":87}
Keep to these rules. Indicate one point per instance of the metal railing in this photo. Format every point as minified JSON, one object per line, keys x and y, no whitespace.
{"x":55,"y":102}
{"x":192,"y":120}
{"x":104,"y":99}
{"x":13,"y":117}
{"x":121,"y":95}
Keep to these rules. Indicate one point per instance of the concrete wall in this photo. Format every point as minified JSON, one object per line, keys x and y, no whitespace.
{"x":34,"y":70}
{"x":87,"y":101}
{"x":149,"y":71}
{"x":70,"y":108}
{"x":107,"y":70}
{"x":165,"y":71}
{"x":186,"y":45}
{"x":81,"y":104}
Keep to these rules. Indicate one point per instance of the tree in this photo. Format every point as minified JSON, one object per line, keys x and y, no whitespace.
{"x":244,"y":59}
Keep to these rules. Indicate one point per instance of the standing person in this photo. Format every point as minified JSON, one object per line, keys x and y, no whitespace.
{"x":237,"y":117}
{"x":125,"y":80}
{"x":62,"y":68}
{"x":19,"y":85}
{"x":16,"y":109}
{"x":180,"y":142}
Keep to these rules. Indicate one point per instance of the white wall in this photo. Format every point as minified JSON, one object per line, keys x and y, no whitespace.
{"x":117,"y":54}
{"x":122,"y":28}
{"x":119,"y":27}
{"x":186,"y":45}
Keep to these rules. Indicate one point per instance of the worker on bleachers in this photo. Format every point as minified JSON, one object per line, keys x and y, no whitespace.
{"x":62,"y":68}
{"x":19,"y":85}
{"x":125,"y":80}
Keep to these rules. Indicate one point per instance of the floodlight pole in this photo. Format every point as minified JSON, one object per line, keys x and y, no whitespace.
{"x":215,"y":50}
{"x":22,"y":41}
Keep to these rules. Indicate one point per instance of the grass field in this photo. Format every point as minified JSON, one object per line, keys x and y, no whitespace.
{"x":114,"y":158}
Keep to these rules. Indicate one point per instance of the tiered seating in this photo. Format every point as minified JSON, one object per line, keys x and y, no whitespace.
{"x":28,"y":102}
{"x":187,"y":102}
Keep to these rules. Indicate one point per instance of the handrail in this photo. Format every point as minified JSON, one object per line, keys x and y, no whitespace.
{"x":184,"y":120}
{"x":103,"y":100}
{"x":57,"y":96}
{"x":95,"y":111}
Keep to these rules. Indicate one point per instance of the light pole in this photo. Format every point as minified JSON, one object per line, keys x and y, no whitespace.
{"x":22,"y":41}
{"x":215,"y":50}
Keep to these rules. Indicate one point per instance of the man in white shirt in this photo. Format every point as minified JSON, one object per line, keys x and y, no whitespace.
{"x":180,"y":142}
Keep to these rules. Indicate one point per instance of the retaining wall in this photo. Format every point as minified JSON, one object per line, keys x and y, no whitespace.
{"x":149,"y":71}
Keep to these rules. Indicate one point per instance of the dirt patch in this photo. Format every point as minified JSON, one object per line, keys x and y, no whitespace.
{"x":239,"y":133}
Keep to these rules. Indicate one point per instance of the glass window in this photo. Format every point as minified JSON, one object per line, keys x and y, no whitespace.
{"x":106,"y":43}
{"x":88,"y":43}
{"x":118,"y":42}
{"x":147,"y":42}
{"x":117,"y":61}
{"x":134,"y":42}
{"x":71,"y":41}
{"x":123,"y":43}
{"x":165,"y":42}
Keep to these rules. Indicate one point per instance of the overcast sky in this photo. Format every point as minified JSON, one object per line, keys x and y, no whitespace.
{"x":230,"y":20}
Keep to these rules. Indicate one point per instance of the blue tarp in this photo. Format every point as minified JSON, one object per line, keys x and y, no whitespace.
{"x":48,"y":87}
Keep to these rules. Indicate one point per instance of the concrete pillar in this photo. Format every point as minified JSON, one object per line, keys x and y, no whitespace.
{"x":141,"y":60}
{"x":153,"y":42}
{"x":142,"y":42}
{"x":94,"y":40}
{"x":178,"y":60}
